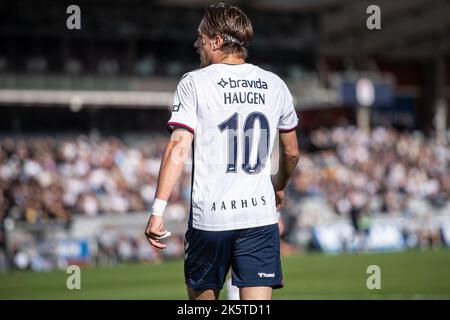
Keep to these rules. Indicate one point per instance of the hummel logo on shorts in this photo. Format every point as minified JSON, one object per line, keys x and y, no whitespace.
{"x":266,"y":275}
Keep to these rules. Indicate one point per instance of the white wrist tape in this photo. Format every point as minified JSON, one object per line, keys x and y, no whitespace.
{"x":158,"y":207}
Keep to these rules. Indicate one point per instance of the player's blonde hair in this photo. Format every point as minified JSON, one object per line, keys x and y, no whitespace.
{"x":232,"y":24}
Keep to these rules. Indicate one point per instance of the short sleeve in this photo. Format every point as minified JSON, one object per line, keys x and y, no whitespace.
{"x":184,"y":110}
{"x":288,"y":119}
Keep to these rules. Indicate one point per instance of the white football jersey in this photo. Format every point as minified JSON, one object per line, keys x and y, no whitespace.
{"x":234,"y":112}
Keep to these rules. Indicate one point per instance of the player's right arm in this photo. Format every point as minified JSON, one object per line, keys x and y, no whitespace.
{"x":171,"y":168}
{"x":289,"y":155}
{"x":182,"y":124}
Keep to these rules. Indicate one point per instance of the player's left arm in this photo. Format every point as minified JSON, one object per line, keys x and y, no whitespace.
{"x":171,"y":168}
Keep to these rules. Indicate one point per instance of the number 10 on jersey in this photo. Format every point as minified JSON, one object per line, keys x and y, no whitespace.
{"x":232,"y":127}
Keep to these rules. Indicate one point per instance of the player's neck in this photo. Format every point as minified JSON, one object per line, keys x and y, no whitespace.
{"x":230,"y":59}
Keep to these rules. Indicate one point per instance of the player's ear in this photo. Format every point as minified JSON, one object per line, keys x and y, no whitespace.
{"x":217,"y":42}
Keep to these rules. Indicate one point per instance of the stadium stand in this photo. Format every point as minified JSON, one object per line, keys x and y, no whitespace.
{"x":83,"y":112}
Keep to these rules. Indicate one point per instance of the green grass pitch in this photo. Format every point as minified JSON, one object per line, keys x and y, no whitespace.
{"x":404,"y":275}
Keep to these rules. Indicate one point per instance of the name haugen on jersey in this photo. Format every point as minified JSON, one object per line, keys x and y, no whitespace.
{"x":243,"y":96}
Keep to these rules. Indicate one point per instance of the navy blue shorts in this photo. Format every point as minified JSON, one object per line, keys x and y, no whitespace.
{"x":253,"y":254}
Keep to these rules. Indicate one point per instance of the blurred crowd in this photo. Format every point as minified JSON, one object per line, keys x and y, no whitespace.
{"x":113,"y":247}
{"x":355,"y":171}
{"x":344,"y":172}
{"x":53,"y":178}
{"x":371,"y":172}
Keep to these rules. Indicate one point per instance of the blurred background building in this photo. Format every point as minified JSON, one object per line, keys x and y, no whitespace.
{"x":83,"y":113}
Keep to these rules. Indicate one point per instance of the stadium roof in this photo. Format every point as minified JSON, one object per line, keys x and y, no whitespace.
{"x":410,"y":28}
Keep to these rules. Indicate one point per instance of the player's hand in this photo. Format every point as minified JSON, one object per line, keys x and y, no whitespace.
{"x":279,"y":198}
{"x":155,"y":230}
